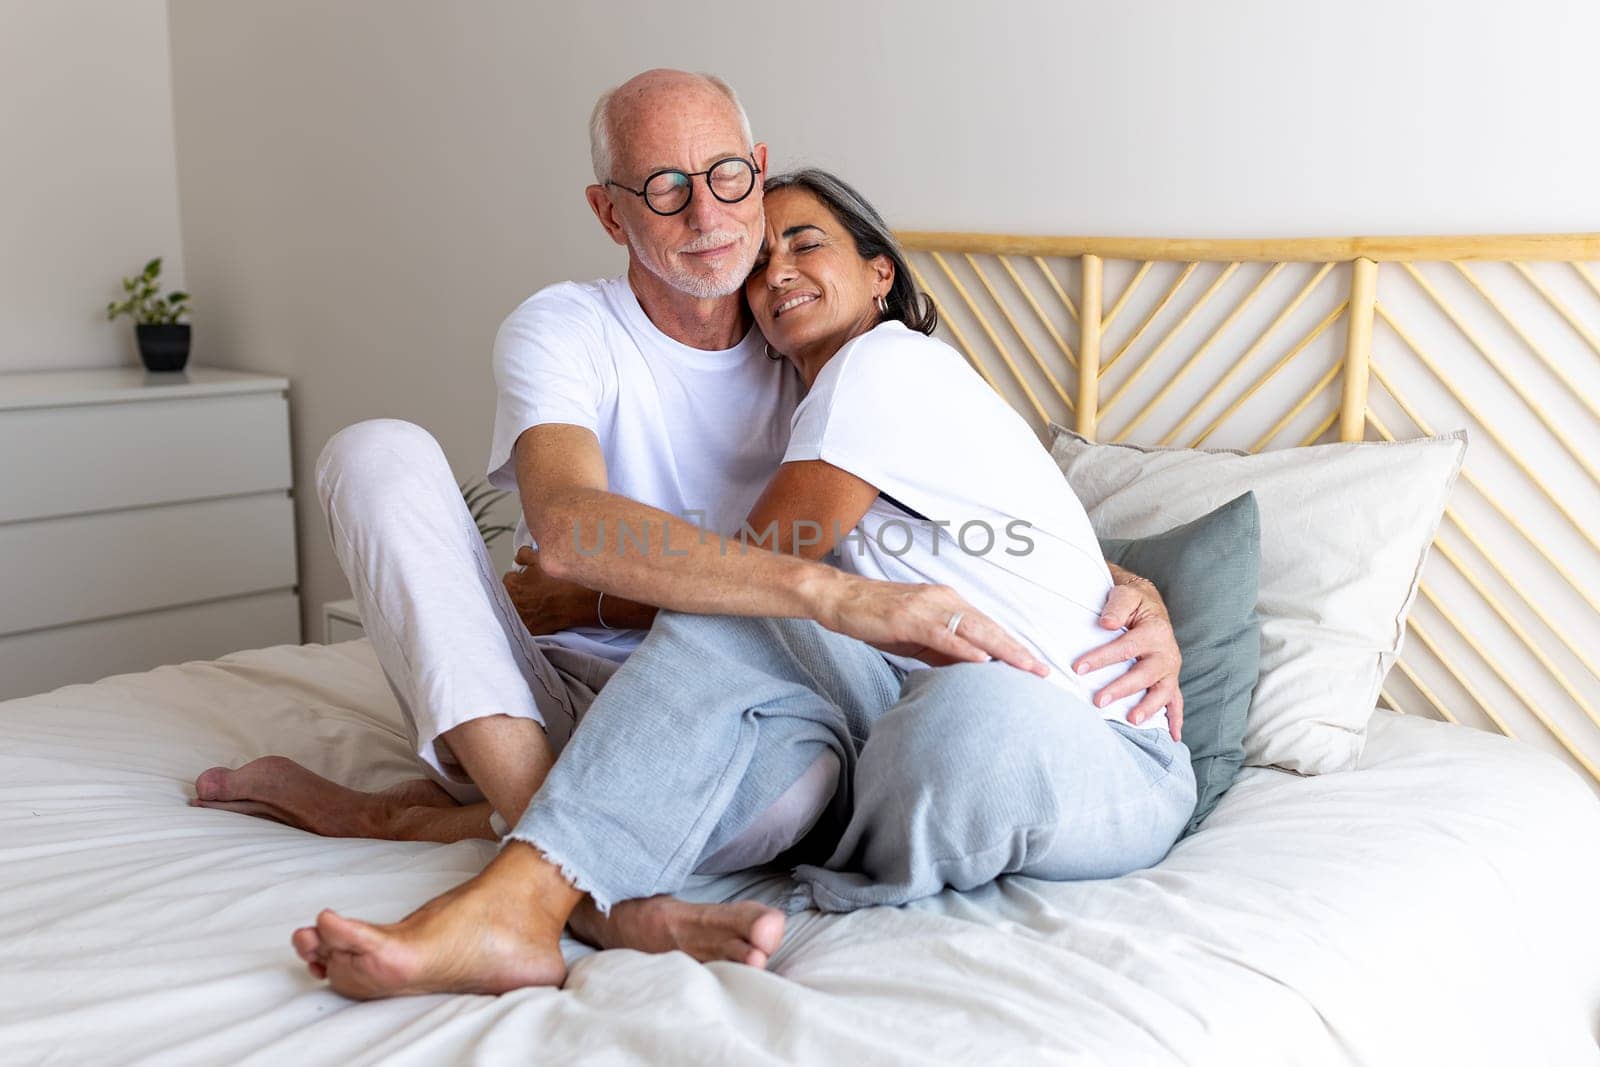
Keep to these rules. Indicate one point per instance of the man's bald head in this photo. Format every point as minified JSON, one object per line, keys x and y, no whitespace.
{"x":656,"y":92}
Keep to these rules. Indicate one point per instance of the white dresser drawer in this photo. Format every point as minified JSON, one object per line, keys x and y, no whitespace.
{"x":98,"y":457}
{"x":66,"y":570}
{"x":144,"y":519}
{"x":340,"y":630}
{"x":44,"y":660}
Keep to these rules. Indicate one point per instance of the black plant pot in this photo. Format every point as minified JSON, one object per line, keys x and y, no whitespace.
{"x":164,"y":348}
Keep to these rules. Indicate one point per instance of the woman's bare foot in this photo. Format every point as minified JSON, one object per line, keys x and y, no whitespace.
{"x":278,"y":788}
{"x":744,"y":932}
{"x":500,"y":931}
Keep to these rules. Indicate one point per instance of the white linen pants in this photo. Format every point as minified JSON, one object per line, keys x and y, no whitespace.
{"x":450,"y":642}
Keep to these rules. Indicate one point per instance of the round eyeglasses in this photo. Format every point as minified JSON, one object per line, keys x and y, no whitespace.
{"x":667,"y":192}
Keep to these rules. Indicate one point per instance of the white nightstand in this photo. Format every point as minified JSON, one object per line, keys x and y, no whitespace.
{"x":341,"y":622}
{"x":144,"y":519}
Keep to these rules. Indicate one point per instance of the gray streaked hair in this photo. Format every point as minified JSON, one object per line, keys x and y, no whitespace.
{"x":602,"y":152}
{"x":873,"y":238}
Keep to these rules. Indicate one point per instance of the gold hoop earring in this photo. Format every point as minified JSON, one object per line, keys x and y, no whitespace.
{"x":774,"y":356}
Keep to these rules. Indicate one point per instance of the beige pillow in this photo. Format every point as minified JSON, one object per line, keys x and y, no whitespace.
{"x":1344,"y":532}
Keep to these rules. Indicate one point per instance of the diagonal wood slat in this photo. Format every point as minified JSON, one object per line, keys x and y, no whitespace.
{"x":1560,"y":306}
{"x":1493,"y":663}
{"x":1427,"y":694}
{"x":1583,"y":272}
{"x":1294,"y":412}
{"x":1155,"y":312}
{"x":1200,"y":350}
{"x":1288,"y":357}
{"x":983,"y":324}
{"x":1044,"y":320}
{"x":948,"y":323}
{"x":1527,"y":342}
{"x":1505,"y":616}
{"x":1485,"y":705}
{"x":1027,"y":346}
{"x":1315,"y":435}
{"x":1127,"y":293}
{"x":1061,"y":294}
{"x":1166,"y":338}
{"x":1510,"y":379}
{"x":1506,"y":514}
{"x":1489,"y":428}
{"x":1249,"y":353}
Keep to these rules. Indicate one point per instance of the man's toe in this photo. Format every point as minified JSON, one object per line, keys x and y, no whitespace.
{"x":307,"y":943}
{"x":746,"y":953}
{"x":212,"y":784}
{"x":339,"y":934}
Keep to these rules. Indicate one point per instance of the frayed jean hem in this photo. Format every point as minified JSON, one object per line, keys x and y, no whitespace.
{"x":574,"y":877}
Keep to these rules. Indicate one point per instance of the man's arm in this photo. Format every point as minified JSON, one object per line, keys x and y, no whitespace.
{"x":1136,"y":604}
{"x":803,"y":511}
{"x":594,"y":538}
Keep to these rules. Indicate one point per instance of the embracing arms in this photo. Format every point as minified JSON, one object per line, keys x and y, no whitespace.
{"x":598,"y":540}
{"x":814,"y":497}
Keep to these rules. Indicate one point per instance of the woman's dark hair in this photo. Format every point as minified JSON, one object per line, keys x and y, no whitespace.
{"x":873,"y":238}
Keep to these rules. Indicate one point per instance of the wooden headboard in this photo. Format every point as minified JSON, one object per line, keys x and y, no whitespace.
{"x":1260,"y":344}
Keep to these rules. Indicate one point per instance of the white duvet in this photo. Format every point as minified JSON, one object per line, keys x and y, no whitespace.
{"x":1437,"y":906}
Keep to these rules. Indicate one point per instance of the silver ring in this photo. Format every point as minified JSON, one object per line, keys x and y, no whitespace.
{"x":955,"y":621}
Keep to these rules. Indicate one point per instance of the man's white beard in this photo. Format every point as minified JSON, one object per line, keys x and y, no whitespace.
{"x":701,"y":286}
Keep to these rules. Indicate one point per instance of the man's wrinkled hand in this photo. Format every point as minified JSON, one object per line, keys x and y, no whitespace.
{"x":914,"y":620}
{"x":546,"y":605}
{"x":1150,"y":642}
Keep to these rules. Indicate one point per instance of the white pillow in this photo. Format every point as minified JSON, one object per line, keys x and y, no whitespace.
{"x":1344,"y":532}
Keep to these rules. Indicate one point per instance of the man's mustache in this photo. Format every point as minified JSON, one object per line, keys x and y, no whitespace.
{"x":708,"y":241}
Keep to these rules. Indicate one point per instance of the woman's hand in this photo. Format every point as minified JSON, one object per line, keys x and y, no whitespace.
{"x":1136,"y":604}
{"x":911,"y":619}
{"x":547,"y":605}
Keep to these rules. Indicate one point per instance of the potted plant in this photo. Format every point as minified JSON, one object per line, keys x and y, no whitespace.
{"x":163,"y":340}
{"x":480,"y":498}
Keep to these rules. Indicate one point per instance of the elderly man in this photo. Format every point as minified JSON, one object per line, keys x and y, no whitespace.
{"x":625,"y":404}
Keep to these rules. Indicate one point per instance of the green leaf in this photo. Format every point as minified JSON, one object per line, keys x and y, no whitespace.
{"x":152,"y":268}
{"x":482,"y":510}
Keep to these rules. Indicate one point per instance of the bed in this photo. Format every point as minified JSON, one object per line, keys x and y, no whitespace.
{"x":1426,"y":908}
{"x":1434,"y":904}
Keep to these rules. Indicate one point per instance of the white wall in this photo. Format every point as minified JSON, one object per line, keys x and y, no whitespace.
{"x":369,"y":187}
{"x":88,"y":182}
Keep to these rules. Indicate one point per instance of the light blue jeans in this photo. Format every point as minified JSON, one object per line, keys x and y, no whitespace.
{"x":952,"y":776}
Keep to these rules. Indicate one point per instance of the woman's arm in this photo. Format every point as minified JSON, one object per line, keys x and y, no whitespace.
{"x":809,"y":506}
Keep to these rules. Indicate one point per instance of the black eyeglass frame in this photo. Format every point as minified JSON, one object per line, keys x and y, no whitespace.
{"x":689,"y":177}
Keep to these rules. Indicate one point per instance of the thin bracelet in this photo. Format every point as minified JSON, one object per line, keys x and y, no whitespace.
{"x":602,"y":619}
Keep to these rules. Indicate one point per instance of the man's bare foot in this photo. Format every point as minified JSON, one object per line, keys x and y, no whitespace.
{"x":500,"y":931}
{"x":278,"y":788}
{"x":744,"y":932}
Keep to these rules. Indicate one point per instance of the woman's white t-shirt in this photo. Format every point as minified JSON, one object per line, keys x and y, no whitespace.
{"x":982,"y":507}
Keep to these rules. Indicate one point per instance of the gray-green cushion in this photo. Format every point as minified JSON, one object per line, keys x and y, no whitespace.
{"x":1207,"y":571}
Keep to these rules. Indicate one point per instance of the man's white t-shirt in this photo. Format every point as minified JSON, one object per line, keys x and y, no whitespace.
{"x":970,"y":498}
{"x":695,"y":433}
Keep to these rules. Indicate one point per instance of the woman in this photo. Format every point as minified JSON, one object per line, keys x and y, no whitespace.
{"x":908,"y":468}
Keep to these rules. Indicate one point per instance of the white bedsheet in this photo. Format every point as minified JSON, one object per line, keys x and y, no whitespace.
{"x":1436,"y":906}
